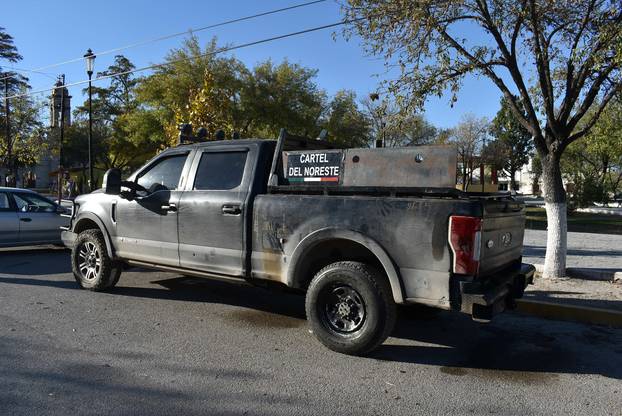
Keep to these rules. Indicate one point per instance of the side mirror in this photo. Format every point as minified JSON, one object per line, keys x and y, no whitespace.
{"x":112,"y":182}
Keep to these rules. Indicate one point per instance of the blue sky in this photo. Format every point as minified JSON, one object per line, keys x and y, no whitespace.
{"x":48,"y":32}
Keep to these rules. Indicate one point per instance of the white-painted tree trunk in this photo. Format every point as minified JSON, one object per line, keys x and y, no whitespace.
{"x":556,"y":240}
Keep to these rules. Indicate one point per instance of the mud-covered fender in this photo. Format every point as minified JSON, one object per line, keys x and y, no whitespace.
{"x":83,"y":216}
{"x":326,"y":234}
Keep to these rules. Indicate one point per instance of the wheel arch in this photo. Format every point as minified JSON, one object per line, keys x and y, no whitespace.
{"x":323,"y":247}
{"x":90,"y":221}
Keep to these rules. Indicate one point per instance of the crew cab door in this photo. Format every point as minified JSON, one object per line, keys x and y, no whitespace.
{"x":213,"y":209}
{"x":146,"y":226}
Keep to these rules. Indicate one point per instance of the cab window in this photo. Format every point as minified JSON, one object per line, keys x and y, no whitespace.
{"x":164,"y":174}
{"x":220,"y":170}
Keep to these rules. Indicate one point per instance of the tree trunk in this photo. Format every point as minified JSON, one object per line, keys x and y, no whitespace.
{"x":512,"y":180}
{"x":557,"y":226}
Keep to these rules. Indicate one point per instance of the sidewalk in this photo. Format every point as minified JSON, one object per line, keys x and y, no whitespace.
{"x":590,"y":256}
{"x":586,"y":251}
{"x":575,"y":300}
{"x":577,"y":292}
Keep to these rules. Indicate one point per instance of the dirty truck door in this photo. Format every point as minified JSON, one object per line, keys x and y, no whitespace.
{"x":212,"y":210}
{"x":146,"y":227}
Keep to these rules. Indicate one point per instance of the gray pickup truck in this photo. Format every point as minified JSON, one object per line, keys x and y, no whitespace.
{"x":228,"y":210}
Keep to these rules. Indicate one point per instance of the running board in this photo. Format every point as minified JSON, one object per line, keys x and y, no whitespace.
{"x":189,"y":272}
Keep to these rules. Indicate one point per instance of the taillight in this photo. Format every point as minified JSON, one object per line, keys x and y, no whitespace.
{"x":465,"y":236}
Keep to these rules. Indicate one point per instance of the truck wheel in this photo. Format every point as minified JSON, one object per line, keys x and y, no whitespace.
{"x":92,"y":268}
{"x":350,"y":307}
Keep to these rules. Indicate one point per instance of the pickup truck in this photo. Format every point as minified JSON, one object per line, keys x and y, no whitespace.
{"x":225,"y":210}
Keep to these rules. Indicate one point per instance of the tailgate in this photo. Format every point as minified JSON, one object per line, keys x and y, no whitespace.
{"x":503,"y":227}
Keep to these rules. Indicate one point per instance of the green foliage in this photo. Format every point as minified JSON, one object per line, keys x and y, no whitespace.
{"x":219,"y":92}
{"x":8,"y":50}
{"x":346,"y":124}
{"x":514,"y":144}
{"x":28,"y":140}
{"x":397,"y":126}
{"x":593,"y":166}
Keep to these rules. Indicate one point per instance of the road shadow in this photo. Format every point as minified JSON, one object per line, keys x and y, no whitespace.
{"x":35,"y":262}
{"x":48,"y":377}
{"x":196,"y":289}
{"x":513,"y":347}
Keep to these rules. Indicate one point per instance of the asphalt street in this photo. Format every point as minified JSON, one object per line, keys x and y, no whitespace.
{"x":160,"y":343}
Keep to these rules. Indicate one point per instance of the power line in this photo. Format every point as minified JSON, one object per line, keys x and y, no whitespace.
{"x":221,"y":50}
{"x":173,"y":35}
{"x":26,"y":70}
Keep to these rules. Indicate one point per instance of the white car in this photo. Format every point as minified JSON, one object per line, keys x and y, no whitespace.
{"x":27,"y":218}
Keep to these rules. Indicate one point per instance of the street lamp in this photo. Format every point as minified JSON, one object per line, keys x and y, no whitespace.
{"x":89,"y":58}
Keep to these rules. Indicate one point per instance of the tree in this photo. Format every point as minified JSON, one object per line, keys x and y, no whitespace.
{"x":284,"y":95}
{"x":28,"y":138}
{"x":346,"y":123}
{"x":397,"y":127}
{"x":115,"y":143}
{"x":11,"y":84}
{"x":513,"y":139}
{"x":571,"y":49}
{"x":594,"y":165}
{"x":468,"y":137}
{"x":165,"y":96}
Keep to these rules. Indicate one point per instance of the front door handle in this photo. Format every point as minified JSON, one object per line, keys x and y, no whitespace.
{"x":25,"y":219}
{"x":169,"y":207}
{"x":231,"y":210}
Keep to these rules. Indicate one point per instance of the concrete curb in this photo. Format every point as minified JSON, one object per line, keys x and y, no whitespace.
{"x":607,"y":275}
{"x":565,"y":312}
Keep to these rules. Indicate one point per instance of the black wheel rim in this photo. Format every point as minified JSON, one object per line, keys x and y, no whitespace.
{"x":343,"y":309}
{"x":89,"y":260}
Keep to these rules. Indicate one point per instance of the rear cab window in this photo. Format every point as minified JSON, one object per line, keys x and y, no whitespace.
{"x":220,"y":170}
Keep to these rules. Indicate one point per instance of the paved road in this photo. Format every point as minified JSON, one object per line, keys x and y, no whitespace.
{"x":161,"y":344}
{"x":601,"y":251}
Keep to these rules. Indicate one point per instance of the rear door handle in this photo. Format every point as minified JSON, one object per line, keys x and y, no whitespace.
{"x":231,"y":210}
{"x":169,"y":207}
{"x":25,"y":219}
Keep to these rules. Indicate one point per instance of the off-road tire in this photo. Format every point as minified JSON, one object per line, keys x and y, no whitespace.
{"x":106,"y":271}
{"x":365,"y":284}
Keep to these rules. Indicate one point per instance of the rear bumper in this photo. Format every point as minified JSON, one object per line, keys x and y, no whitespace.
{"x":68,"y":237}
{"x":484,"y":299}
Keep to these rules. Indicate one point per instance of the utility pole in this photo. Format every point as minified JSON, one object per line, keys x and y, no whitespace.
{"x":62,"y":135}
{"x":9,"y":145}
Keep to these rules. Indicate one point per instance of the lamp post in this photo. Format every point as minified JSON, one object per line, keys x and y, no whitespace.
{"x":89,"y":58}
